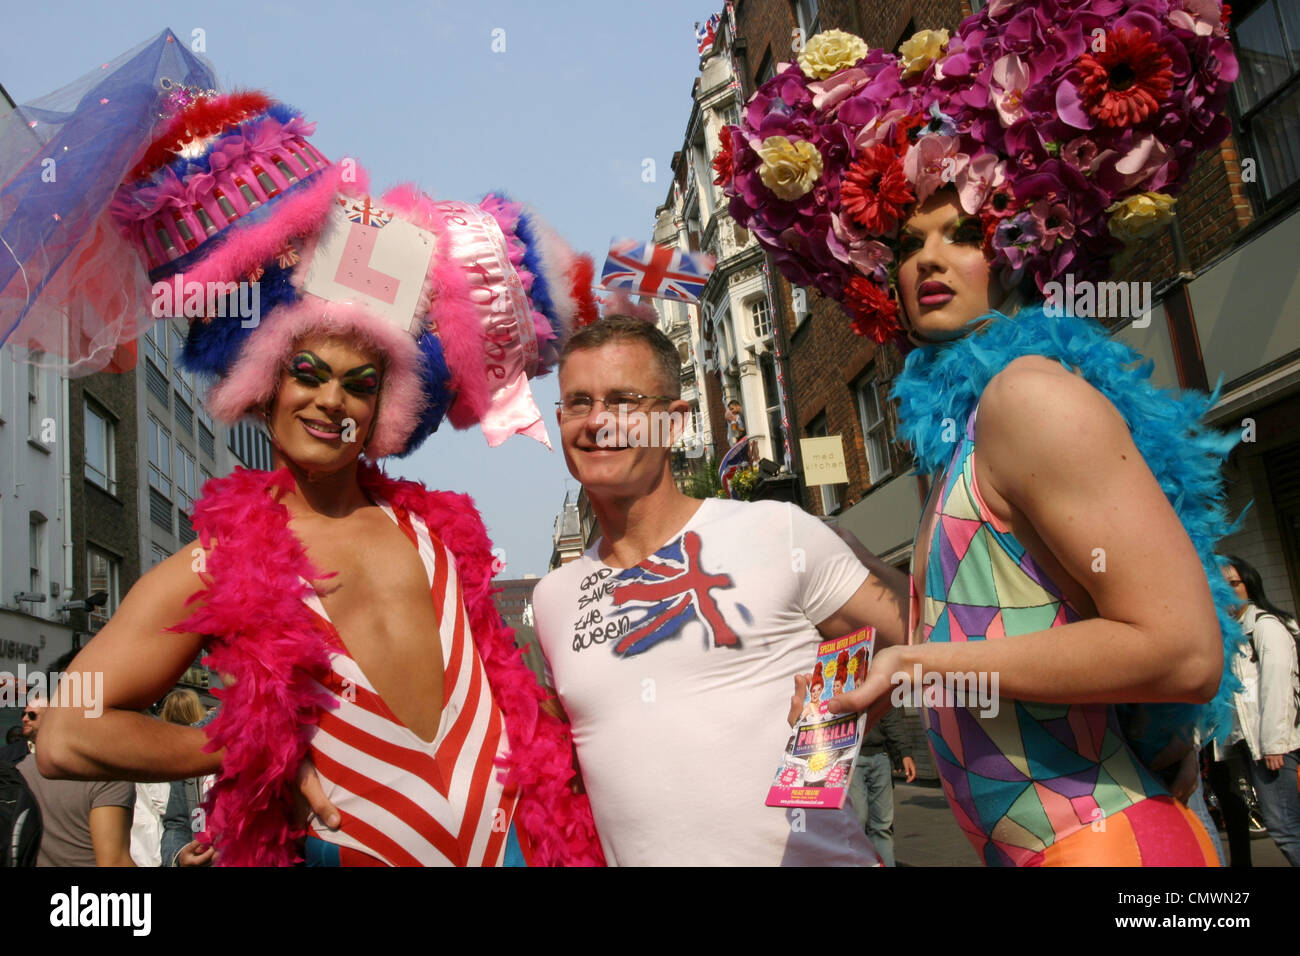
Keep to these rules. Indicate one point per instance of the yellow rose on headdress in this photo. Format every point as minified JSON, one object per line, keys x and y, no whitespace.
{"x":789,"y":169}
{"x":1139,"y":216}
{"x":922,"y":49}
{"x":830,"y":52}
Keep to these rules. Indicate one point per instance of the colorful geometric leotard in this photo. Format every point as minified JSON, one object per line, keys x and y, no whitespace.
{"x":1037,"y":784}
{"x":405,"y":801}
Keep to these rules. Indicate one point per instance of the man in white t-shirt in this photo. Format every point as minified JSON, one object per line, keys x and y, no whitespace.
{"x":672,"y":643}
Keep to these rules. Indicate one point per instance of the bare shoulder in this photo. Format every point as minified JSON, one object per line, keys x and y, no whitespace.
{"x":1035,"y":414}
{"x":1035,"y":388}
{"x":176,"y":577}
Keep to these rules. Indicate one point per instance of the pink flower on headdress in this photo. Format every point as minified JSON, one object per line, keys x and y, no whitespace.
{"x":1081,"y":153}
{"x":1052,"y":221}
{"x":1202,"y":17}
{"x":932,"y":163}
{"x":855,"y":246}
{"x":977,"y":179}
{"x":1141,"y":162}
{"x":836,"y":88}
{"x":1010,"y":80}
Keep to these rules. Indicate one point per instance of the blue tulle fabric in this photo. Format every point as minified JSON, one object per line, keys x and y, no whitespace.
{"x":1185,"y":456}
{"x":63,"y":156}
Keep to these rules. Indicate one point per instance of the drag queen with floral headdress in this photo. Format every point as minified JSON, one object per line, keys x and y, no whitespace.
{"x":1067,"y":542}
{"x":349,"y":614}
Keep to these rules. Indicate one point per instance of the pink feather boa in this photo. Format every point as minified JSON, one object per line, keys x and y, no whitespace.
{"x":271,"y":701}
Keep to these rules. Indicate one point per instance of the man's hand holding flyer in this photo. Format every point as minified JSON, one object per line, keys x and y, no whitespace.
{"x":818,"y":761}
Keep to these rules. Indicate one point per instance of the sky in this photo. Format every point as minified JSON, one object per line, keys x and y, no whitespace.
{"x":561,"y":114}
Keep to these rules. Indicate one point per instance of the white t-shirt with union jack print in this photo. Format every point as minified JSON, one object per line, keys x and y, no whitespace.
{"x":677,"y":676}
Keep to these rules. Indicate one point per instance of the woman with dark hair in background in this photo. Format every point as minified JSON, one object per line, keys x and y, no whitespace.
{"x":1266,"y":737}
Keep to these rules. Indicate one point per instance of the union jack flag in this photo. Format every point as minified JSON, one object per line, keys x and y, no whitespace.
{"x":706,"y":34}
{"x":673,"y":591}
{"x":656,"y":271}
{"x":361,"y":211}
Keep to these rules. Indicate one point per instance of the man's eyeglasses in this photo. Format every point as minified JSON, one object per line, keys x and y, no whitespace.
{"x":580,"y":405}
{"x":31,"y":714}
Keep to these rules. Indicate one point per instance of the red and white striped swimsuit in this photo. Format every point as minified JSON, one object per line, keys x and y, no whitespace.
{"x":405,"y":801}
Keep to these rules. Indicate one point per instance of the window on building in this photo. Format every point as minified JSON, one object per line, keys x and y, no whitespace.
{"x":155,"y":366}
{"x":1268,"y":93}
{"x":761,"y":313}
{"x":160,"y":510}
{"x":250,"y":445}
{"x":772,"y":399}
{"x":160,"y":458}
{"x":36,"y":552}
{"x":767,"y":69}
{"x":187,"y":477}
{"x":155,"y":346}
{"x":101,"y":458}
{"x":104,"y":575}
{"x":809,"y":17}
{"x":183,"y":381}
{"x":34,"y":398}
{"x":158,"y":555}
{"x":832,"y":496}
{"x":871,"y":415}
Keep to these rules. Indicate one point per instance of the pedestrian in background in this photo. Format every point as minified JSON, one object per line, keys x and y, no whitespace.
{"x":872,"y":789}
{"x":1274,"y":735}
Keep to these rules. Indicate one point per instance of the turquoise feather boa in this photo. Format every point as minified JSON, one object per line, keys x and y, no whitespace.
{"x":945,"y":382}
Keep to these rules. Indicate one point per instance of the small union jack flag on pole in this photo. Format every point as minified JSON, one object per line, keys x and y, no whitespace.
{"x":656,"y":271}
{"x":706,"y":33}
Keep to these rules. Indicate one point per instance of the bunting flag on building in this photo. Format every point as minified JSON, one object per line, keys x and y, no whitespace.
{"x":706,"y":33}
{"x":656,"y":271}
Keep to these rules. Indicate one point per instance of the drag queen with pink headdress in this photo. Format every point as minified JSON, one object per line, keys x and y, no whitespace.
{"x":1067,"y":543}
{"x":349,"y":614}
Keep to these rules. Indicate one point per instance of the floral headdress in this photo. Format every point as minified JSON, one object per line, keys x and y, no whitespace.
{"x":1063,"y":125}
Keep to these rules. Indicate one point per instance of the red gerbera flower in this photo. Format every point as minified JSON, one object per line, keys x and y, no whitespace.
{"x":873,"y":311}
{"x":875,"y":191}
{"x":1124,"y":83}
{"x":723,"y":162}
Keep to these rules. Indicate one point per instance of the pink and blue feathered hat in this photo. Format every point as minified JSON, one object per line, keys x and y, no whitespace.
{"x":175,"y":200}
{"x":466,"y":302}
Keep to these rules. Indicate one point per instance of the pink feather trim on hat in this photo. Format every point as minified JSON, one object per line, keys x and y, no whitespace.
{"x":298,"y":214}
{"x":253,"y":380}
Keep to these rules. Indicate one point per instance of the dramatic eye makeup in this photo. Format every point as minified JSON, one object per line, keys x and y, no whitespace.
{"x":963,"y":230}
{"x":308,"y":368}
{"x":968,"y":229}
{"x":362,"y":380}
